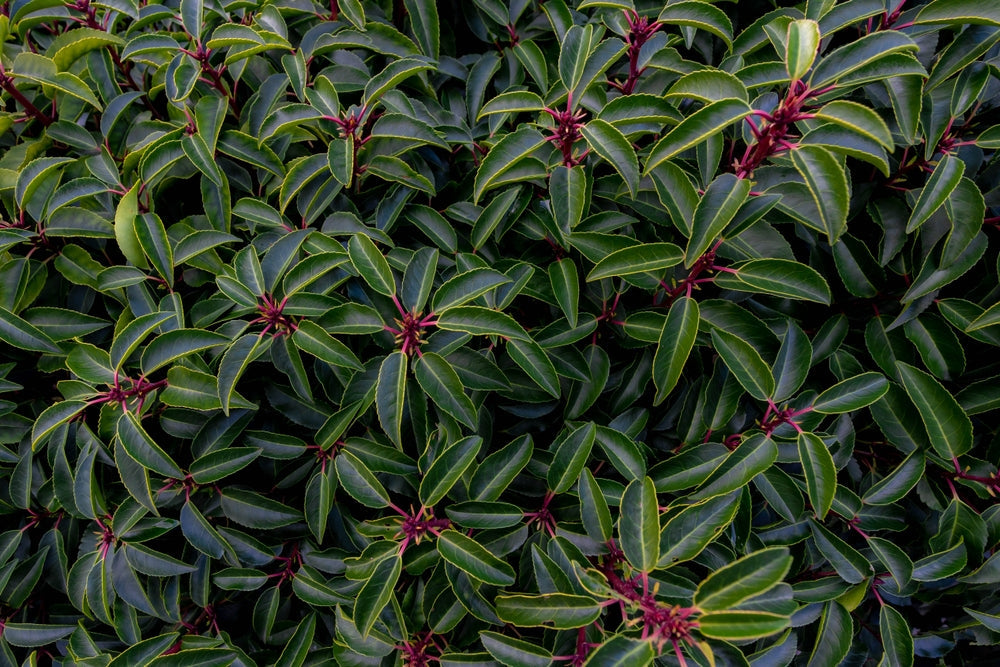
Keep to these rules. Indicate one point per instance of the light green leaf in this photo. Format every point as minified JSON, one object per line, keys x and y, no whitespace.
{"x":801,"y":45}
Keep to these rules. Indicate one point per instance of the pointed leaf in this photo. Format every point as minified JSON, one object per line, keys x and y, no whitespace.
{"x":390,"y":395}
{"x":743,"y":579}
{"x":820,"y":472}
{"x":745,"y":364}
{"x":717,"y":207}
{"x":948,"y":427}
{"x":472,"y":558}
{"x":637,"y":259}
{"x":852,"y":394}
{"x":570,"y":456}
{"x":827,"y":183}
{"x":447,"y":469}
{"x":696,"y":128}
{"x":371,"y":264}
{"x":639,"y":526}
{"x":676,"y":342}
{"x":611,"y":145}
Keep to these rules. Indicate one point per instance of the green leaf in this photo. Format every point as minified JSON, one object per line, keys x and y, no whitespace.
{"x":176,"y":344}
{"x":390,"y":76}
{"x":857,"y":118}
{"x":610,"y":144}
{"x":791,"y":366}
{"x":826,"y":181}
{"x":708,"y":121}
{"x":752,"y":457}
{"x":620,"y":651}
{"x":359,"y":482}
{"x":447,"y":469}
{"x":215,"y":466}
{"x":499,"y":469}
{"x":637,"y":259}
{"x":340,"y":155}
{"x":441,"y":383}
{"x":480,"y":321}
{"x":741,"y":625}
{"x":131,"y":336}
{"x":639,"y":526}
{"x":576,"y":46}
{"x":256,"y":511}
{"x":948,"y":427}
{"x":504,"y":157}
{"x":897,"y":642}
{"x":234,"y":362}
{"x":513,"y":101}
{"x":125,"y":233}
{"x":18,"y":333}
{"x":390,"y":394}
{"x":594,"y":511}
{"x":720,"y":203}
{"x":371,"y":264}
{"x":297,"y":649}
{"x":688,"y":532}
{"x":465,"y":287}
{"x":472,"y":558}
{"x":894,"y":486}
{"x":859,"y":54}
{"x":674,"y":347}
{"x":820,"y":472}
{"x":191,"y":17}
{"x":895,"y":559}
{"x":801,"y":45}
{"x":780,"y":277}
{"x":849,"y":564}
{"x":740,"y":357}
{"x":559,"y":611}
{"x":958,"y":12}
{"x":743,"y":579}
{"x":570,"y":456}
{"x":375,"y":595}
{"x":510,"y":651}
{"x":478,"y":514}
{"x":852,"y":394}
{"x":833,"y":641}
{"x":426,"y":25}
{"x":530,"y":356}
{"x":568,"y":196}
{"x":565,"y":283}
{"x":313,"y":339}
{"x":143,"y":449}
{"x":701,"y":15}
{"x":31,"y":635}
{"x":942,"y":182}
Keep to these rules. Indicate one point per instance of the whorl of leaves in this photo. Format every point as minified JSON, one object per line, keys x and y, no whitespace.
{"x":485,"y":332}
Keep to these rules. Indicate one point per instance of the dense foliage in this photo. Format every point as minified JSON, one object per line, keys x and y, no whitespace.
{"x":485,"y":332}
